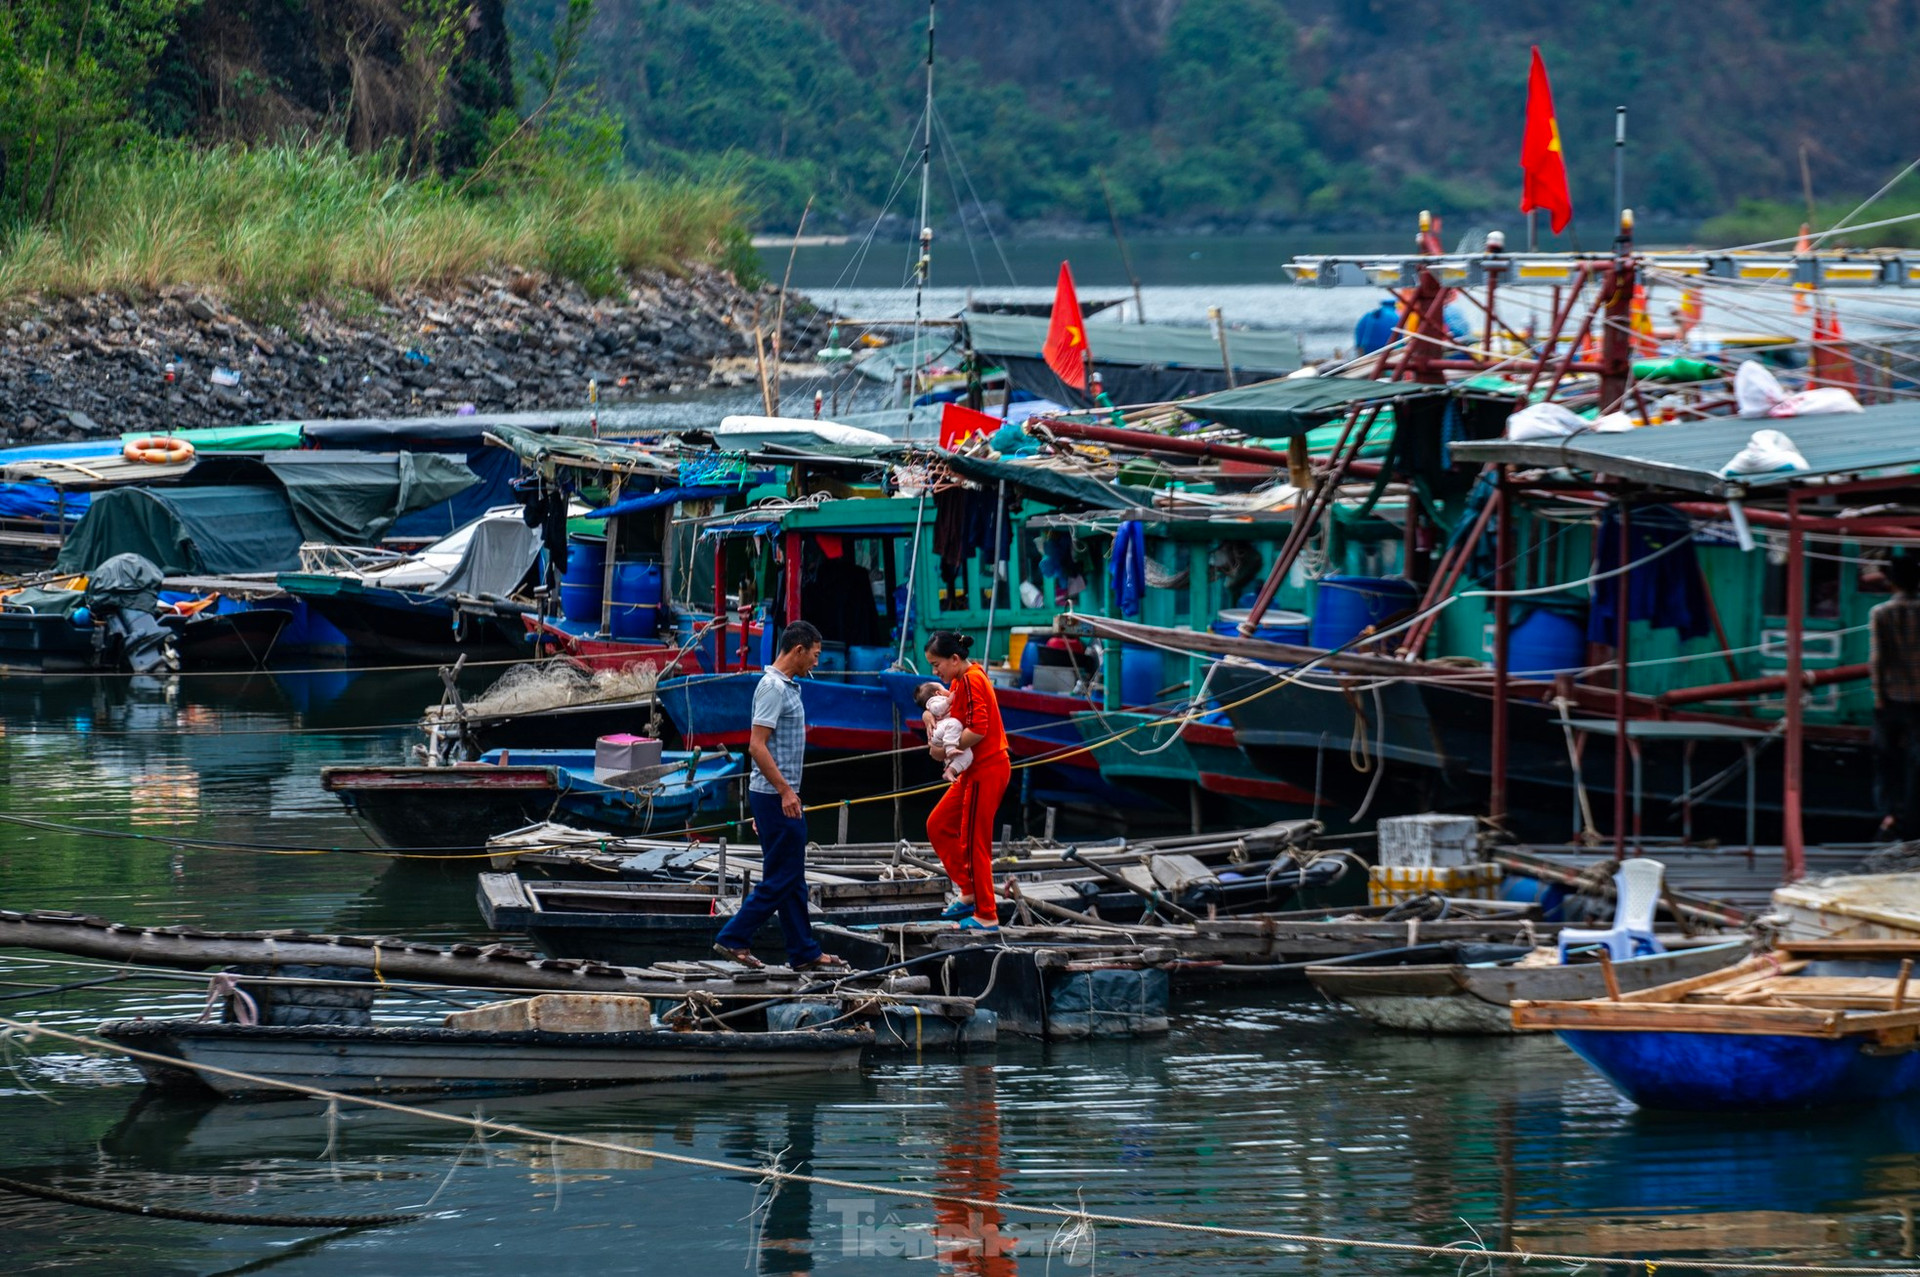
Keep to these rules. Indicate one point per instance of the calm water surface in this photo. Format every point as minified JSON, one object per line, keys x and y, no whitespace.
{"x":1273,"y":1112}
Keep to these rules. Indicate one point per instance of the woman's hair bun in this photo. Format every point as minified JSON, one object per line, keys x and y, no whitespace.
{"x":946,"y":643}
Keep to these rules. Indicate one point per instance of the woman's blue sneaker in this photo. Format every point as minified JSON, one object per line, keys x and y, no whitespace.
{"x":957,"y":910}
{"x":971,"y":923}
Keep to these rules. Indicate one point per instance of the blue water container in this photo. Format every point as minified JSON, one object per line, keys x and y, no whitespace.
{"x":635,"y":605}
{"x":1275,"y":626}
{"x":869,"y":660}
{"x":1142,"y":675}
{"x":689,"y":625}
{"x":583,"y":586}
{"x":833,"y":658}
{"x":1346,"y":605}
{"x":1547,"y":643}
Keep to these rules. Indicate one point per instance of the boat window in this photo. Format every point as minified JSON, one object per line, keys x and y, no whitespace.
{"x":1824,"y":571}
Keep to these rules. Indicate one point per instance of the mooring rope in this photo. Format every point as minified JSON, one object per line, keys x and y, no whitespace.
{"x":768,"y":1175}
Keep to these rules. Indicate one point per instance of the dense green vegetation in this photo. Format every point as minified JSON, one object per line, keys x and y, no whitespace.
{"x":106,"y":182}
{"x":1334,"y":112}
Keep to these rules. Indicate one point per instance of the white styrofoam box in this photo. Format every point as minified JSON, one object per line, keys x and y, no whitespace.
{"x":613,"y":755}
{"x":559,"y":1013}
{"x":1428,"y":841}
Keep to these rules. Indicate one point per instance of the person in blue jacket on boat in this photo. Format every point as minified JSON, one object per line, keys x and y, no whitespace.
{"x":1375,"y":328}
{"x":777,"y":744}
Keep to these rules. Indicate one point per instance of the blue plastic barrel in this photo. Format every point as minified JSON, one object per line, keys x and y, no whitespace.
{"x":1346,"y":605}
{"x":689,"y":624}
{"x":1275,"y":626}
{"x":833,"y":658}
{"x":869,"y":660}
{"x":1546,"y":643}
{"x":635,"y":605}
{"x":583,"y":586}
{"x":1142,"y":675}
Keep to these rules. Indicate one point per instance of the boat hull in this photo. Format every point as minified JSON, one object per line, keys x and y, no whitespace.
{"x":454,"y":810}
{"x":1438,"y":997}
{"x":1743,"y":1072}
{"x":1436,"y":743}
{"x":418,"y":1060}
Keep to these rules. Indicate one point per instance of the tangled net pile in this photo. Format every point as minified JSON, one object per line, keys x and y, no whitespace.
{"x":525,"y":688}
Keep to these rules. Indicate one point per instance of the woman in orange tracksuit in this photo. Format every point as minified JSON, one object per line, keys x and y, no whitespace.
{"x":961,"y":826}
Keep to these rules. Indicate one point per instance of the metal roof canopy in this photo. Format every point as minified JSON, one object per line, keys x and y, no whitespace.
{"x":1833,"y":269}
{"x":1150,"y":345}
{"x":1878,"y":442}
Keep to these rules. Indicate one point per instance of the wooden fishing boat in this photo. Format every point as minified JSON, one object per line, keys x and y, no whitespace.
{"x":410,"y":1058}
{"x":1810,"y":1024}
{"x":457,"y":808}
{"x":1471,"y":988}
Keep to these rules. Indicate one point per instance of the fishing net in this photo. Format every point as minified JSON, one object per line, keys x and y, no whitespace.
{"x":553,"y":684}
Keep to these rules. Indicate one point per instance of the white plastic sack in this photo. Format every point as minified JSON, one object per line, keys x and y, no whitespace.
{"x":1545,"y":421}
{"x":1816,"y":402}
{"x":1755,"y":389}
{"x":1767,"y":452}
{"x":1615,"y":423}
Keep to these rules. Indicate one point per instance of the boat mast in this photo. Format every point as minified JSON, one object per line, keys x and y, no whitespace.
{"x":925,"y":261}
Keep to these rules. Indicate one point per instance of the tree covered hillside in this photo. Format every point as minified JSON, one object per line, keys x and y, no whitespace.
{"x":1333,"y":112}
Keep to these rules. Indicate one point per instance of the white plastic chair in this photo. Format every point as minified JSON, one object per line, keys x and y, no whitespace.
{"x":1636,"y":889}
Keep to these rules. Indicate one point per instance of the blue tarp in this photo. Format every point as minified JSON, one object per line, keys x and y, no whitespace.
{"x":654,"y":500}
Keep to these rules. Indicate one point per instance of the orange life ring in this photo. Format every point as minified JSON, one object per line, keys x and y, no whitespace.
{"x":158,"y":450}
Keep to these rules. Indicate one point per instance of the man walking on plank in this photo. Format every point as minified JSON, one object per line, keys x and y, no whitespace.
{"x":778,"y":747}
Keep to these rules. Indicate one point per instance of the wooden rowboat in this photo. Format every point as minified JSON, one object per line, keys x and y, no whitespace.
{"x":1471,"y":988}
{"x":403,"y":1058}
{"x":1810,"y":1024}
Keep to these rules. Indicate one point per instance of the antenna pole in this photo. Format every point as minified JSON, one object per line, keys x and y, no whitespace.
{"x":1126,"y":262}
{"x":1619,"y":162}
{"x":923,"y":264}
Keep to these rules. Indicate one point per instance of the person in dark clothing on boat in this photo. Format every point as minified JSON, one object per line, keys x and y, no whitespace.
{"x":778,"y":745}
{"x":1895,"y":662}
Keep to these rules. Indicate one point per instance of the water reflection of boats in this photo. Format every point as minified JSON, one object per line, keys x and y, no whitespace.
{"x":164,"y":1131}
{"x":1666,"y":1184}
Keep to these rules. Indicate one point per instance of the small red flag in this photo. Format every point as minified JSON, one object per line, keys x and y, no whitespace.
{"x":1543,"y":168}
{"x":957,"y":422}
{"x":1066,"y":348}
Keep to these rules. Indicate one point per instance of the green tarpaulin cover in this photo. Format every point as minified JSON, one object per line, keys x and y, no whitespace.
{"x":210,"y":531}
{"x":353,"y":498}
{"x":1052,"y":486}
{"x":234,"y":438}
{"x":1676,"y":368}
{"x":1282,"y":409}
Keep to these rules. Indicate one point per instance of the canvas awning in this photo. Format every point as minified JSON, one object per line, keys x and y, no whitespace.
{"x":587,"y":454}
{"x":1282,"y":409}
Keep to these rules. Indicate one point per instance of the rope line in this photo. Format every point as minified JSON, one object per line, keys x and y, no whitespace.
{"x":772,"y":1174}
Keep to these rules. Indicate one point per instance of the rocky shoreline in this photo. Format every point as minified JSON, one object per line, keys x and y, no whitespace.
{"x":73,"y":368}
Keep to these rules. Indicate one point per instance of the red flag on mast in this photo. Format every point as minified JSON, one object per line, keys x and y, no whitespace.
{"x":1543,"y":169}
{"x":1066,"y":348}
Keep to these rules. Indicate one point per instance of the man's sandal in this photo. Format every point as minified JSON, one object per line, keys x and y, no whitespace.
{"x":742,"y":956}
{"x":825,"y":962}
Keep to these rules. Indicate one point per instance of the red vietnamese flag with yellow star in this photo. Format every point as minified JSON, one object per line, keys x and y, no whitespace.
{"x":1543,"y":168}
{"x":1066,"y":348}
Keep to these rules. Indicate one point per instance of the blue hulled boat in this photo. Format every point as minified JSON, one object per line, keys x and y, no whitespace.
{"x":1812,"y":1024}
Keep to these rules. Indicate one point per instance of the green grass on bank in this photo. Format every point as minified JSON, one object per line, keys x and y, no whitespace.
{"x":1758,"y":221}
{"x":300,"y":221}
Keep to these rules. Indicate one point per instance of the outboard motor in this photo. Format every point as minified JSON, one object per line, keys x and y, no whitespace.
{"x":123,"y":594}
